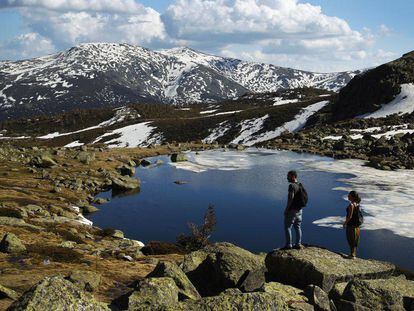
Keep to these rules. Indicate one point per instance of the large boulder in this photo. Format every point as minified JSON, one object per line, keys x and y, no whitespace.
{"x":321,"y":267}
{"x":253,"y":280}
{"x":11,"y":244}
{"x":318,"y":298}
{"x":233,"y":299}
{"x":362,"y":293}
{"x":56,"y":293}
{"x":126,"y":170}
{"x":291,"y":296}
{"x":85,"y":280}
{"x":398,"y":284}
{"x":219,"y":266}
{"x":153,"y":294}
{"x":124,"y":183}
{"x":170,"y":269}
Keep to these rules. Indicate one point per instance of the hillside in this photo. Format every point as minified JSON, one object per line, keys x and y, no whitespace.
{"x":247,"y":120}
{"x":98,"y":75}
{"x":378,"y":92}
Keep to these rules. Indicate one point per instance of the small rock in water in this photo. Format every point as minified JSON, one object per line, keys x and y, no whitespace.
{"x":180,"y":182}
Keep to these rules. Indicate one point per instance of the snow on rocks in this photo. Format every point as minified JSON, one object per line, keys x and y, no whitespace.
{"x":375,"y":132}
{"x":278,"y":101}
{"x":401,"y":104}
{"x":217,"y":132}
{"x":248,"y":129}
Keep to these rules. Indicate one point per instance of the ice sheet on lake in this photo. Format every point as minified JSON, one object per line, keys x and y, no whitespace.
{"x":217,"y":160}
{"x":388,"y":196}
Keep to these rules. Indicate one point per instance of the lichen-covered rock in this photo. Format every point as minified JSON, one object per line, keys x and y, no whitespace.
{"x":170,"y":269}
{"x":253,"y":280}
{"x":11,"y":244}
{"x":124,"y":183}
{"x":154,"y":294}
{"x":178,"y":157}
{"x":361,"y":292}
{"x":219,"y":266}
{"x":318,"y":298}
{"x":43,"y":161}
{"x":56,"y":293}
{"x":8,"y":293}
{"x":85,"y":157}
{"x":321,"y":267}
{"x":85,"y":280}
{"x":235,"y":300}
{"x":291,"y":296}
{"x":89,"y":209}
{"x":398,"y":284}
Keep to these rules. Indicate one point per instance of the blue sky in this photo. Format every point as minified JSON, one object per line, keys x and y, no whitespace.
{"x":317,"y":35}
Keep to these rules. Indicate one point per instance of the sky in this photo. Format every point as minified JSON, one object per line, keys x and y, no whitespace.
{"x":315,"y":35}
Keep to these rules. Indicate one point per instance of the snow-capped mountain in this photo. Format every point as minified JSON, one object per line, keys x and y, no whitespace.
{"x":110,"y":75}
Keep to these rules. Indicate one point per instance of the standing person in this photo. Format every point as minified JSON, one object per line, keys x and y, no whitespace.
{"x":297,"y":200}
{"x":353,"y":221}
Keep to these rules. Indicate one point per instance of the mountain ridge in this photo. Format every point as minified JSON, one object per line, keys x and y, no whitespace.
{"x":93,"y":75}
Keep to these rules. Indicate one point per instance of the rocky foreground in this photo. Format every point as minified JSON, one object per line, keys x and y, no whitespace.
{"x":53,"y":258}
{"x":223,"y":276}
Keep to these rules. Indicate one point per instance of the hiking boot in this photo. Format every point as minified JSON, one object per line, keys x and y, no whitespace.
{"x":298,"y":246}
{"x":285,"y":248}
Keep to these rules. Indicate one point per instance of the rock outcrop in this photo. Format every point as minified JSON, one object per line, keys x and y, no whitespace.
{"x":153,"y":294}
{"x":318,"y":266}
{"x":56,"y":293}
{"x":220,"y":266}
{"x":362,"y":293}
{"x":170,"y":269}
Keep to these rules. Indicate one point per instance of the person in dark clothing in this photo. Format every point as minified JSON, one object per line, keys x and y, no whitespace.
{"x":351,"y":223}
{"x":293,"y":213}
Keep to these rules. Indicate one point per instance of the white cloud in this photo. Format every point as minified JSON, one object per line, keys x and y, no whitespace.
{"x":284,"y":32}
{"x":125,"y":6}
{"x":26,"y":46}
{"x":73,"y":27}
{"x":384,"y":30}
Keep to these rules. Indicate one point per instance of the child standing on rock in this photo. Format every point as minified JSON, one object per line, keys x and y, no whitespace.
{"x":353,"y":222}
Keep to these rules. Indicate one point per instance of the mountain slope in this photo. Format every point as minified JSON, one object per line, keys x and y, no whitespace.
{"x":376,"y":89}
{"x":110,"y":75}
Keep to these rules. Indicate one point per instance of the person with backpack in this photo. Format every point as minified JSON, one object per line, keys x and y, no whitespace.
{"x":353,"y":222}
{"x":297,"y":200}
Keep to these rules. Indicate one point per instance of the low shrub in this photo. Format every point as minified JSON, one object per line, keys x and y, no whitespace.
{"x":200,"y":234}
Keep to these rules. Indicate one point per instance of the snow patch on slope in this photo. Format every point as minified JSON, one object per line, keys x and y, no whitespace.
{"x":296,"y":124}
{"x":401,"y":104}
{"x":136,"y":135}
